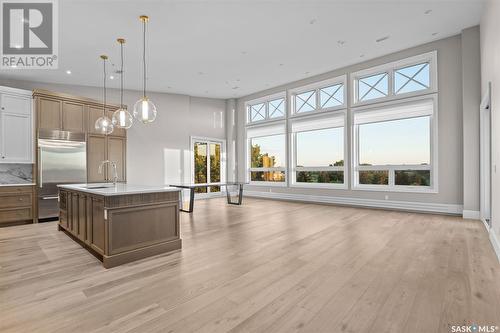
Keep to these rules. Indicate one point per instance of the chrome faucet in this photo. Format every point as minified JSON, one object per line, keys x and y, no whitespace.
{"x":113,"y":165}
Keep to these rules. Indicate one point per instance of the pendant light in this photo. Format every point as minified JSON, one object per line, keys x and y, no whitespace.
{"x":121,"y":117}
{"x":103,"y":124}
{"x":144,"y":109}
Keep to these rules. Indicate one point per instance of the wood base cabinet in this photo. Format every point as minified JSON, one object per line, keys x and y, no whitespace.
{"x":16,"y":205}
{"x":121,"y":228}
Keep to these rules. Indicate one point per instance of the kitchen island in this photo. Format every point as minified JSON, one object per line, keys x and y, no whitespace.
{"x":121,"y":223}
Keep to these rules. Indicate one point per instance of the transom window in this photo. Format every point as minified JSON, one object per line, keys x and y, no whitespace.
{"x":412,"y":78}
{"x":305,"y":102}
{"x":408,"y":77}
{"x":328,"y":95}
{"x":268,"y":109}
{"x":374,"y":86}
{"x":331,"y":96}
{"x":257,"y":112}
{"x":277,"y":108}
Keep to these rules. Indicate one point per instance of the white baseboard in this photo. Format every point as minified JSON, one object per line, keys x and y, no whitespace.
{"x":372,"y":203}
{"x":495,"y":242}
{"x":471,"y":214}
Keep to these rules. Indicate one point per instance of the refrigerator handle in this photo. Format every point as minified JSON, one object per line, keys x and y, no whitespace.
{"x":40,"y":166}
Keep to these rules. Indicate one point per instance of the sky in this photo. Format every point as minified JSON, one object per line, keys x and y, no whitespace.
{"x":397,"y":142}
{"x":405,"y":141}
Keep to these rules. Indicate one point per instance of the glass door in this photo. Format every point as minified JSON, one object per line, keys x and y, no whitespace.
{"x":207,"y":164}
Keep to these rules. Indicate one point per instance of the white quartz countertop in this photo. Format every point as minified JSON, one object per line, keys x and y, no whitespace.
{"x":107,"y":189}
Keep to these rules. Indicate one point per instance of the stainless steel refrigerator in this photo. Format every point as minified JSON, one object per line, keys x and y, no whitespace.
{"x":62,"y":157}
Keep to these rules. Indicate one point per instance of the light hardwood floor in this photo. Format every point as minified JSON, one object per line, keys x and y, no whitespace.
{"x":266,"y":266}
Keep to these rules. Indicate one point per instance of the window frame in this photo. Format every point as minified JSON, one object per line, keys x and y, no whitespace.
{"x":192,"y":140}
{"x":248,"y":149}
{"x":390,"y":69}
{"x":266,"y":100}
{"x":293,"y":154}
{"x":392,"y":187}
{"x":317,"y":86}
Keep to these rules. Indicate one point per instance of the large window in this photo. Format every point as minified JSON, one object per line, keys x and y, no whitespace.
{"x":267,"y":154}
{"x":318,"y":145}
{"x":394,"y":146}
{"x":384,"y":139}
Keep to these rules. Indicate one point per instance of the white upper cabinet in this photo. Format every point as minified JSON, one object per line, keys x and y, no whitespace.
{"x":16,"y":126}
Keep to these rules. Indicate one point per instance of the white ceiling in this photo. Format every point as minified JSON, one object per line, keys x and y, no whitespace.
{"x":231,"y":48}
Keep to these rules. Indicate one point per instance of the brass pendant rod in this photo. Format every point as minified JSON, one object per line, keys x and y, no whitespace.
{"x":104,"y":58}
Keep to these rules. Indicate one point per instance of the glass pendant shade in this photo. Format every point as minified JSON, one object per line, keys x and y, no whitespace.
{"x":145,"y":110}
{"x":122,"y":119}
{"x":104,"y":125}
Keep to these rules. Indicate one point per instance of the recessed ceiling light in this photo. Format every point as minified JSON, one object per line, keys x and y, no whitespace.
{"x":111,"y":77}
{"x":382,"y":39}
{"x":428,"y":11}
{"x":68,"y":72}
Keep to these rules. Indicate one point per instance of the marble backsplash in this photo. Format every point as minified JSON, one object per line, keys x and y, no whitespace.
{"x":16,"y":174}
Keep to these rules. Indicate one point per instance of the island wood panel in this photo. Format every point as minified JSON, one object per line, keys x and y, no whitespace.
{"x":159,"y":223}
{"x":122,"y":228}
{"x":97,"y":224}
{"x":49,"y":113}
{"x":82,"y":217}
{"x":63,"y":209}
{"x":73,"y":117}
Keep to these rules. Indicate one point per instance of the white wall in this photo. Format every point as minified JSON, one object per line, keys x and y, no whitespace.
{"x":157,"y":153}
{"x":471,"y":98}
{"x":450,"y":196}
{"x":490,"y":72}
